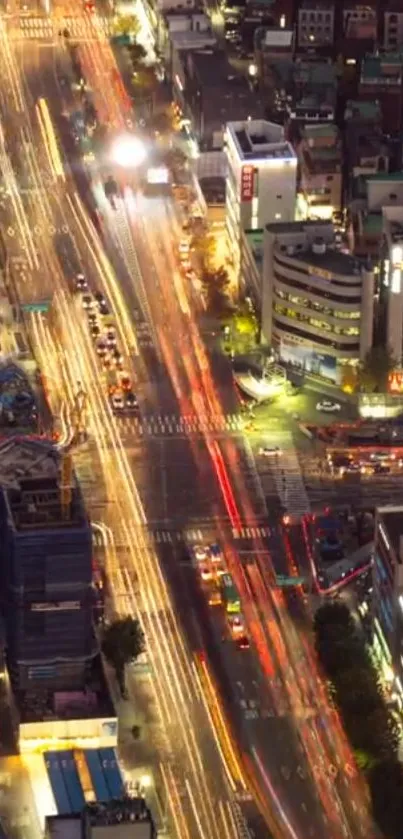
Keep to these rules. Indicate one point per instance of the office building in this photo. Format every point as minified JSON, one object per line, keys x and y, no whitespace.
{"x":261,"y":179}
{"x":315,"y":25}
{"x":123,"y":818}
{"x":320,"y":162}
{"x":387,"y":597}
{"x":45,"y":567}
{"x":317,"y":302}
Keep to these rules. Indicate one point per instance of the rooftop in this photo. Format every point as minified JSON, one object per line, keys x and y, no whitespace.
{"x":381,"y":67}
{"x":315,"y":73}
{"x":123,"y":811}
{"x":321,"y":130}
{"x":332,"y":261}
{"x":92,"y":703}
{"x":359,"y":109}
{"x":293,"y":227}
{"x":392,"y":521}
{"x":260,"y":140}
{"x":392,"y":177}
{"x":320,"y":5}
{"x":372,"y":224}
{"x":31,"y":479}
{"x":117,"y":813}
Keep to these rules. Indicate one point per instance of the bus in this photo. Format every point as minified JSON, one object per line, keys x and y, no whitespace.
{"x":230,"y":594}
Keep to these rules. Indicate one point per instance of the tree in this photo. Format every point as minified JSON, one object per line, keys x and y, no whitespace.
{"x":137,"y":54}
{"x":243,"y":330}
{"x":375,"y":369}
{"x":205,"y":246}
{"x":123,"y":641}
{"x":215,"y":287}
{"x":386,"y":789}
{"x":126,"y":25}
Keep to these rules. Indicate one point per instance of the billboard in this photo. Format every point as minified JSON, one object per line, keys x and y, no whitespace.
{"x":158,"y":175}
{"x":307,"y":359}
{"x":247,"y":183}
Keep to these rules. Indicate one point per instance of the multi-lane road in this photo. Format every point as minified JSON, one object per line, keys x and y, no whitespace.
{"x":184,"y":467}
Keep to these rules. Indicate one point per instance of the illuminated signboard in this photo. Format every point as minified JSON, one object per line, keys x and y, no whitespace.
{"x":158,"y":175}
{"x":395,"y":382}
{"x":247,"y":183}
{"x":57,"y":606}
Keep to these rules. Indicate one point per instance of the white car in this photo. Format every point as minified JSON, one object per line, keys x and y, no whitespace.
{"x":88,"y":302}
{"x":328,"y":407}
{"x":117,"y":401}
{"x":200,"y":553}
{"x":270,"y":451}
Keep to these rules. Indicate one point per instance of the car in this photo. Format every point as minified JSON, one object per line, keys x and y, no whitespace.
{"x":242,"y":642}
{"x":110,"y":337}
{"x":131,"y":401}
{"x":99,"y":297}
{"x":328,"y":407}
{"x":80,"y":283}
{"x":117,"y":357}
{"x":106,"y":362}
{"x":200,"y":552}
{"x":117,"y":402}
{"x":103,"y":308}
{"x":88,"y":301}
{"x":382,"y":457}
{"x":236,"y":625}
{"x":94,"y":330}
{"x":92,"y":317}
{"x":125,"y":381}
{"x":270,"y":451}
{"x":184,"y":246}
{"x":102,"y":349}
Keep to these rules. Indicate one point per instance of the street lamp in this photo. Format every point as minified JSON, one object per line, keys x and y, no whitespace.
{"x":128,"y":152}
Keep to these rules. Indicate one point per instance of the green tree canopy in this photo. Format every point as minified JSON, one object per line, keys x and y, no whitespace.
{"x":375,"y":369}
{"x":122,"y":642}
{"x":215,"y":287}
{"x":126,"y":25}
{"x":205,"y":246}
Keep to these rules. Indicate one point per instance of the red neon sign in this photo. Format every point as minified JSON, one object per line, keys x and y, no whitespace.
{"x":247,"y":183}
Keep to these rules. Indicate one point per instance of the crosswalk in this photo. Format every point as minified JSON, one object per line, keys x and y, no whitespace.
{"x":155,"y":425}
{"x":192,"y":536}
{"x":286,"y":473}
{"x":45,"y":28}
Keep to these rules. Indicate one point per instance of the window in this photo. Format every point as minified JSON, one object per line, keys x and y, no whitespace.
{"x":34,"y":623}
{"x":329,"y":178}
{"x":392,"y":196}
{"x":279,"y":197}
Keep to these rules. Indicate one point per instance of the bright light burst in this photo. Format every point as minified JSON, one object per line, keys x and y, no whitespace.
{"x":128,"y":152}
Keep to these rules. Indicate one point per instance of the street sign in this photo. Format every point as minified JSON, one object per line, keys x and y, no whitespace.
{"x":283,"y":581}
{"x":39,"y":306}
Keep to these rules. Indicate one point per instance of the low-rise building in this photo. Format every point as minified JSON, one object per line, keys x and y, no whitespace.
{"x":211,"y":93}
{"x":182,"y":31}
{"x":320,"y":161}
{"x":124,"y":818}
{"x":261,"y":178}
{"x":274,"y":52}
{"x":315,"y":26}
{"x":314,"y":92}
{"x":381,"y":80}
{"x":387,"y":594}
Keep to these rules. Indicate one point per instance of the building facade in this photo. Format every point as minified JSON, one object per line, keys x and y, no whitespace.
{"x":46,"y":568}
{"x":317,"y":303}
{"x":261,"y":178}
{"x":315,"y":25}
{"x":387,"y":597}
{"x":320,"y":160}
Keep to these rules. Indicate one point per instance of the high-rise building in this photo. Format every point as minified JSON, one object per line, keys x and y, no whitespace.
{"x":45,"y":568}
{"x":261,"y":179}
{"x":387,"y":597}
